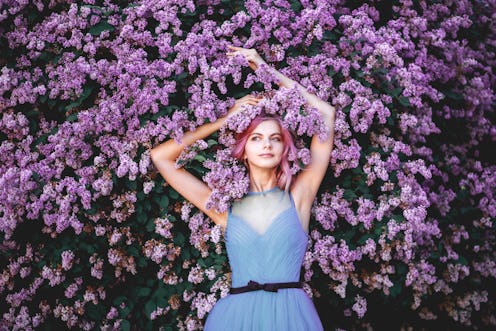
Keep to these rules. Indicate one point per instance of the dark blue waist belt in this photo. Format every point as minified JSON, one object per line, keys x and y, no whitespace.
{"x":270,"y":287}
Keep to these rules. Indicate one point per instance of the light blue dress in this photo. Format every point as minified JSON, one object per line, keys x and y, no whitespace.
{"x":265,"y":243}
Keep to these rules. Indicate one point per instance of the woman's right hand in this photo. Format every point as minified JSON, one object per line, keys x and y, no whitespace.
{"x":249,"y":99}
{"x":251,"y":55}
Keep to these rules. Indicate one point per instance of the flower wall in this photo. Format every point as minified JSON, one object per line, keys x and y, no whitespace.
{"x":93,"y":238}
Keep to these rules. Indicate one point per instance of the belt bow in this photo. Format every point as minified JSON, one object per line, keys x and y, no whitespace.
{"x":270,"y":287}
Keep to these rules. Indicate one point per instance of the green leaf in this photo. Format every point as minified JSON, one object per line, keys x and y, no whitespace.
{"x":141,"y":262}
{"x":132,"y":250}
{"x":200,"y":158}
{"x":296,"y":6}
{"x":329,"y":35}
{"x":125,"y":325}
{"x":395,"y":92}
{"x":379,"y":230}
{"x":140,"y":196}
{"x":72,"y":117}
{"x":162,"y":302}
{"x":331,"y":72}
{"x":398,"y":218}
{"x":180,"y":239}
{"x":86,"y":93}
{"x":395,"y":290}
{"x":404,"y":101}
{"x":401,"y":269}
{"x":198,"y":169}
{"x":467,"y":210}
{"x":141,"y":217}
{"x":391,"y":121}
{"x":452,"y":95}
{"x":95,"y":30}
{"x":359,"y":73}
{"x":164,"y":201}
{"x":149,"y":307}
{"x":158,"y":188}
{"x":380,"y":71}
{"x":462,"y":260}
{"x":349,"y":195}
{"x":120,"y":299}
{"x":91,"y":211}
{"x":173,"y":194}
{"x":363,"y":239}
{"x":160,"y":293}
{"x":185,"y":253}
{"x":43,"y":98}
{"x":90,"y":249}
{"x":144,"y":292}
{"x":182,"y":76}
{"x":150,"y":225}
{"x":125,"y":311}
{"x":131,"y":184}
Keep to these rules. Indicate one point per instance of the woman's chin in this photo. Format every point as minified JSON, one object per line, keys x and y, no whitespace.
{"x":268,"y":164}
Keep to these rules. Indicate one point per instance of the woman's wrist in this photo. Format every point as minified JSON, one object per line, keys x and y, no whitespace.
{"x":284,"y":81}
{"x":281,"y":79}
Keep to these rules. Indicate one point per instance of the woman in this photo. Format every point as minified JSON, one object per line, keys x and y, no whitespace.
{"x":266,"y":231}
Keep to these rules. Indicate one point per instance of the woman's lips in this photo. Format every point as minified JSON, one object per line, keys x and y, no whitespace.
{"x":266,"y":155}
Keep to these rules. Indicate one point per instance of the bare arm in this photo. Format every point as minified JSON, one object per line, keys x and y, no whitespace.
{"x":191,"y":188}
{"x":308,"y":181}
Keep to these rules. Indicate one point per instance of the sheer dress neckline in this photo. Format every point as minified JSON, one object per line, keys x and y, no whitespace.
{"x":263,"y":192}
{"x":258,"y":211}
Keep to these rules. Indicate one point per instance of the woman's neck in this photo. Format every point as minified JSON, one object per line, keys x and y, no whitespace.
{"x":262,"y":180}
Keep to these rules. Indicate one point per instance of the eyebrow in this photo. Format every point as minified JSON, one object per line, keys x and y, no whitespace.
{"x":259,"y":134}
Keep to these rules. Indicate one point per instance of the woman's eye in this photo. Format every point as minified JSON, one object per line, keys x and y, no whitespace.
{"x":255,"y":138}
{"x":276,"y":139}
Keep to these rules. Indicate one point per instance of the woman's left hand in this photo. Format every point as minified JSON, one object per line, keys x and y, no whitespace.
{"x":249,"y":99}
{"x":251,"y":54}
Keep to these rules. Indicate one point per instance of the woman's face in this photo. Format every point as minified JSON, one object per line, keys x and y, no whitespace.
{"x":264,"y":146}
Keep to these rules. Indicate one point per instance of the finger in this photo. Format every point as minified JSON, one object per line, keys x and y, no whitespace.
{"x":252,"y":101}
{"x":248,"y":100}
{"x":251,"y":96}
{"x":232,"y":53}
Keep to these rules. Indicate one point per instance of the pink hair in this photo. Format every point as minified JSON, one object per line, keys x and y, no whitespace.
{"x":283,"y":171}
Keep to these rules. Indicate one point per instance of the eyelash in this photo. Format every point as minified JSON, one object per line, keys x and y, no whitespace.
{"x":258,"y":138}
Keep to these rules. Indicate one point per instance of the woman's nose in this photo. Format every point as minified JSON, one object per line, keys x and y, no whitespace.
{"x":267,"y":143}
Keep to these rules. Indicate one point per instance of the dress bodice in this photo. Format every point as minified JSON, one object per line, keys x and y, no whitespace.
{"x":264,"y":238}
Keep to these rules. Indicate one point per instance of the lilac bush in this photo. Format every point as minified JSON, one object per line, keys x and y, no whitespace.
{"x":402,"y":227}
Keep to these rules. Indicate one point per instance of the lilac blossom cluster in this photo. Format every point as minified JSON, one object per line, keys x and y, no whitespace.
{"x":407,"y":209}
{"x":227,"y":177}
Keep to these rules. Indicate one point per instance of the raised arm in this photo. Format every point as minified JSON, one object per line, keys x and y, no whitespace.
{"x":308,"y":181}
{"x":191,"y":188}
